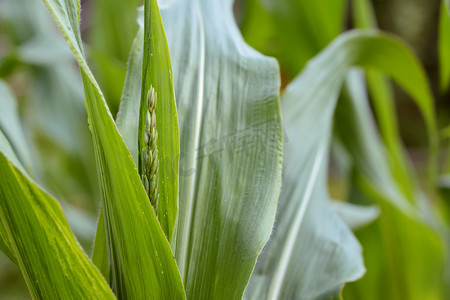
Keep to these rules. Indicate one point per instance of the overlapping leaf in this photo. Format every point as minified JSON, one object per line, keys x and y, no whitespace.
{"x":52,"y":262}
{"x":230,"y":131}
{"x":157,"y":74}
{"x":140,"y":256}
{"x":319,"y":254}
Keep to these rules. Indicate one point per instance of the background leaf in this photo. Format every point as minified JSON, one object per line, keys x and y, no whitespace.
{"x":157,"y":73}
{"x":404,"y":231}
{"x":308,"y":105}
{"x":293,"y":31}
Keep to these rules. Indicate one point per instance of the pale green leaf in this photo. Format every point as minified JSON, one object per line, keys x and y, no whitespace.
{"x":100,"y":249}
{"x":127,"y":120}
{"x":318,"y":252}
{"x":127,"y":124}
{"x":230,"y":156}
{"x":403,"y":232}
{"x":11,"y":126}
{"x":142,"y":265}
{"x":50,"y":258}
{"x":382,"y":96}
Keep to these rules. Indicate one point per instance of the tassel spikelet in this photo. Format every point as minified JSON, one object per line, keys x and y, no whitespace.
{"x":150,"y":152}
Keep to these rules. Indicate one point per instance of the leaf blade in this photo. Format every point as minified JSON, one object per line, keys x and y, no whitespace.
{"x":50,"y":258}
{"x":226,"y":196}
{"x":135,"y":238}
{"x":308,"y":105}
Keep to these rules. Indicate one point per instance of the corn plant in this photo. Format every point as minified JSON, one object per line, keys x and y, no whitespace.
{"x":211,"y":184}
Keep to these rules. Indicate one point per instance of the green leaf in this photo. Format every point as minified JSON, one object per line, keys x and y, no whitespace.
{"x":142,"y":265}
{"x":157,"y":73}
{"x":100,"y":249}
{"x":382,"y":96}
{"x":318,"y":253}
{"x":40,"y":240}
{"x":11,"y":125}
{"x":402,"y":233}
{"x":230,"y":156}
{"x":127,"y":124}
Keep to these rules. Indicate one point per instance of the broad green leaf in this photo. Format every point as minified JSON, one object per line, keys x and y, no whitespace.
{"x":230,"y":156}
{"x":383,"y":102}
{"x":390,"y":244}
{"x":157,"y":73}
{"x":135,"y":238}
{"x":402,"y":231}
{"x":50,"y":258}
{"x":127,"y":124}
{"x":11,"y":125}
{"x":318,"y":253}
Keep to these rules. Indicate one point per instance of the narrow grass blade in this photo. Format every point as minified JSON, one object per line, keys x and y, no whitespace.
{"x":402,"y":232}
{"x":230,"y":137}
{"x":157,"y":74}
{"x":127,"y":120}
{"x":142,"y":264}
{"x":382,"y":96}
{"x":318,"y":252}
{"x":11,"y":127}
